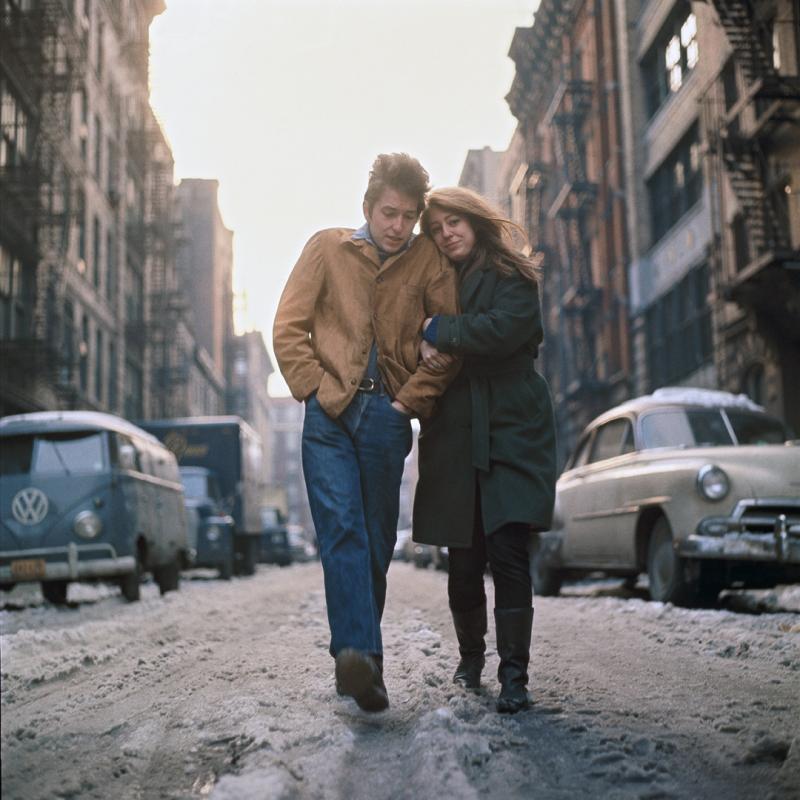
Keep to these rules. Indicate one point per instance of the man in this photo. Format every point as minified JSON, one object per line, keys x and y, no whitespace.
{"x":346,"y":337}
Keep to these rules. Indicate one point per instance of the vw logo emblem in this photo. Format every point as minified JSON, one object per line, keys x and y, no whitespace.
{"x":29,"y":506}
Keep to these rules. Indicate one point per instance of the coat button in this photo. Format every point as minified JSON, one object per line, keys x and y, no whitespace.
{"x":352,"y":381}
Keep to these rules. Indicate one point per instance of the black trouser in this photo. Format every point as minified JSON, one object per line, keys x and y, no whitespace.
{"x":506,"y":552}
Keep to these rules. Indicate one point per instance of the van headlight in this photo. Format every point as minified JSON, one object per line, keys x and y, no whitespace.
{"x":212,"y":533}
{"x":87,"y":525}
{"x":712,"y":482}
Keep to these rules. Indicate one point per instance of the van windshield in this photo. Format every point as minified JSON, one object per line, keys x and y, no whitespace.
{"x":53,"y":454}
{"x":195,"y":486}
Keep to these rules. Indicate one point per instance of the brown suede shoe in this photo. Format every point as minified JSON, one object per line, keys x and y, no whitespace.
{"x":358,"y":676}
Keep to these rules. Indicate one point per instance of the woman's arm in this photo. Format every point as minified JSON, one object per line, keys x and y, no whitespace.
{"x":513,"y":319}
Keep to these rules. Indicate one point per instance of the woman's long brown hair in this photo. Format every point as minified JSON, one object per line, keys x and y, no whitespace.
{"x":496,"y":236}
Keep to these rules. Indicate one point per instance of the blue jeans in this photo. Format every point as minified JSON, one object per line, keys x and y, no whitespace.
{"x":353,"y":466}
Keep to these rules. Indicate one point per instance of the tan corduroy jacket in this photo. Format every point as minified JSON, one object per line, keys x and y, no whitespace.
{"x":339,"y":298}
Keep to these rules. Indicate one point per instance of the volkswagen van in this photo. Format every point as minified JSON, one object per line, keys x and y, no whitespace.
{"x":86,"y":496}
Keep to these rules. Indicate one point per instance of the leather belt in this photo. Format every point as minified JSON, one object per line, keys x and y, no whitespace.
{"x":369,"y":385}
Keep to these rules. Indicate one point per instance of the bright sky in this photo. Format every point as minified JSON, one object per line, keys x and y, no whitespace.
{"x":287,"y":103}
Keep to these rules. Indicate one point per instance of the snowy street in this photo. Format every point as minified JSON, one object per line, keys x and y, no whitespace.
{"x":226,"y":690}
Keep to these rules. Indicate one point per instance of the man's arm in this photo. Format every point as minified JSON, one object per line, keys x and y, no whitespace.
{"x":420,"y":391}
{"x":291,"y":331}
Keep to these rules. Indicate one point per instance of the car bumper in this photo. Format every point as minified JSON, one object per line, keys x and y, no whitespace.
{"x":757,"y":530}
{"x":73,"y":562}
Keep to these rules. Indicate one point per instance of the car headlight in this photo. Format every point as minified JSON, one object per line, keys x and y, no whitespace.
{"x":712,"y":482}
{"x":212,"y":533}
{"x":87,"y":524}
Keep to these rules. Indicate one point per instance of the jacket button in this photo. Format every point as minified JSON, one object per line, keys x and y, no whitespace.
{"x":352,"y":381}
{"x":363,"y":352}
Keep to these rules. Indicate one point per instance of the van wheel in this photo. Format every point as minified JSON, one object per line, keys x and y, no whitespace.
{"x":246,"y":564}
{"x":168,"y":577}
{"x":665,"y":570}
{"x":226,"y":568}
{"x":545,"y":579}
{"x":55,"y":592}
{"x":130,"y":584}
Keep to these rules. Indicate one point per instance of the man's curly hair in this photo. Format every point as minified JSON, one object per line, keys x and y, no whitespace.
{"x":398,"y":171}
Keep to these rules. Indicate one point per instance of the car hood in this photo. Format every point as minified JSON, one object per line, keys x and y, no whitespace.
{"x":758,"y":470}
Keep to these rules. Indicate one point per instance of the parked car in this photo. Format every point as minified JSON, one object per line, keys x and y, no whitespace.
{"x":699,"y":489}
{"x":210,"y":528}
{"x":274,"y":545}
{"x":86,"y":496}
{"x":231,"y":449}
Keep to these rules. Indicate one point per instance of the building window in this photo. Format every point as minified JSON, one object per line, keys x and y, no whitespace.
{"x":81,"y":214}
{"x":111,"y":267}
{"x":83,"y":355}
{"x":133,"y":391}
{"x":678,"y":330}
{"x":98,"y":147}
{"x":14,"y":126}
{"x":68,"y":342}
{"x":672,"y":57}
{"x":98,"y":365}
{"x":15,"y":296}
{"x":676,"y":185}
{"x":96,"y":266}
{"x":112,"y":376}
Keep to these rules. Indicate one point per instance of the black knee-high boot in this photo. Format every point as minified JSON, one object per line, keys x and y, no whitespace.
{"x":470,"y":629}
{"x":513,"y":627}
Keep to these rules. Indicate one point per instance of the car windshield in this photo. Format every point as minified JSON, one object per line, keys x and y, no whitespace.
{"x":195,"y":486}
{"x":753,"y":428}
{"x":54,"y":454}
{"x":706,"y":427}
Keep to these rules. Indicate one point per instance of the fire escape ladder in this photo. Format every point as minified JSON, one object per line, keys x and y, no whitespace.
{"x":570,"y":106}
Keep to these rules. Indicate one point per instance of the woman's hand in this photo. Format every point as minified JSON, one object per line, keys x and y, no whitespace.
{"x":433,"y":359}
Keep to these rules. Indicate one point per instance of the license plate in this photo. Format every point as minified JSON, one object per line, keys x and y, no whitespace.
{"x":28,"y":569}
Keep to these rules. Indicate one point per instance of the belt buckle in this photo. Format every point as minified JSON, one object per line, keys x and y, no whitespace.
{"x":367,"y":385}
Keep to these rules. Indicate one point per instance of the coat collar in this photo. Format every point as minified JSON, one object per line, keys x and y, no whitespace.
{"x":472,"y":283}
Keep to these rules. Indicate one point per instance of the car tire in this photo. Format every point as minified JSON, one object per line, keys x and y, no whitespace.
{"x":226,"y":568}
{"x":55,"y":592}
{"x":545,"y":579}
{"x":665,"y":569}
{"x":168,"y":577}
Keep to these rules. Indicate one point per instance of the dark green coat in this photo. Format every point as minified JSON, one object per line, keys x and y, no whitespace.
{"x":494,"y":426}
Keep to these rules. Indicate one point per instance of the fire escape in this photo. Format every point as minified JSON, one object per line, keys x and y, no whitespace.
{"x":169,"y":362}
{"x":574,"y":196}
{"x":745,"y":129}
{"x":46,"y":46}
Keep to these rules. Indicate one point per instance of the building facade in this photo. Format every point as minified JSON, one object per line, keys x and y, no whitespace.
{"x":249,"y":367}
{"x":656,"y":164}
{"x":74,"y":89}
{"x":567,"y":188}
{"x":713,"y":159}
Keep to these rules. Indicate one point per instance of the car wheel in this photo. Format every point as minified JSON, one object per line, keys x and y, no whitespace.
{"x":168,"y":577}
{"x":545,"y":579}
{"x":226,"y":568}
{"x":665,"y":569}
{"x":55,"y":592}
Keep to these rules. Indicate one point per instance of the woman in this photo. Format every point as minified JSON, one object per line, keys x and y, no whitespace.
{"x":487,"y":466}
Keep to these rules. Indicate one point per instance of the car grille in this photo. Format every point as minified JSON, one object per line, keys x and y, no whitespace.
{"x":764,"y":516}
